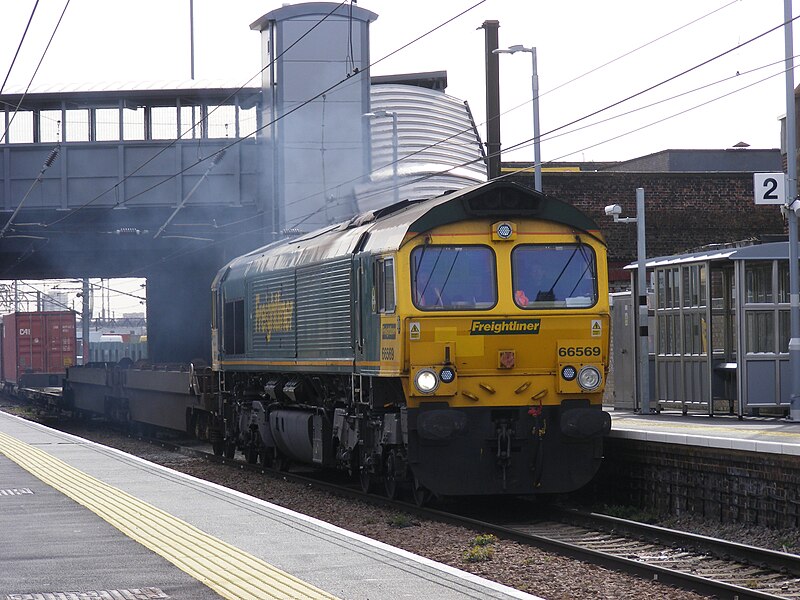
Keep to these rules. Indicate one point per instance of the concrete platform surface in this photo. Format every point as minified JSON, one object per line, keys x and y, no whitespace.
{"x":753,"y":434}
{"x":81,"y":521}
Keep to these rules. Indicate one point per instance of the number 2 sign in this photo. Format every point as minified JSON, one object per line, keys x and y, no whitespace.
{"x":769,"y":188}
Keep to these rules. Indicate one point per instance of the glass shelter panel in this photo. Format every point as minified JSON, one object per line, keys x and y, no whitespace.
{"x":20,"y":129}
{"x":221,"y":121}
{"x":133,"y":123}
{"x":77,"y":126}
{"x":783,"y":282}
{"x":106,"y":124}
{"x":760,"y":331}
{"x":758,"y":282}
{"x":164,"y":122}
{"x":191,"y":122}
{"x":50,"y":126}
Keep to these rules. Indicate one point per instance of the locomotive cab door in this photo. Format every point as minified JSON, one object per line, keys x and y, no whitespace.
{"x":363,"y":300}
{"x":375,"y":303}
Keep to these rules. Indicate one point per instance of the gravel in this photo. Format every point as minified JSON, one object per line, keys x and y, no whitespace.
{"x":522,"y":567}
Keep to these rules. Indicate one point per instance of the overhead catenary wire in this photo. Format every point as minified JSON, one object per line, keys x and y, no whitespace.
{"x":506,"y":149}
{"x":194,"y":125}
{"x":184,"y":252}
{"x":48,"y":162}
{"x":187,"y":251}
{"x":738,"y":75}
{"x":742,"y":44}
{"x":19,"y":47}
{"x":310,"y":100}
{"x":35,"y":71}
{"x":278,"y":118}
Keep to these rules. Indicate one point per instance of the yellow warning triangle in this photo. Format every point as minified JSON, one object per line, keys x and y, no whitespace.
{"x":414,"y":328}
{"x":596,"y":326}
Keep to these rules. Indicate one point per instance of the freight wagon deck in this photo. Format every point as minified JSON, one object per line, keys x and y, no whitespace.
{"x":178,"y":397}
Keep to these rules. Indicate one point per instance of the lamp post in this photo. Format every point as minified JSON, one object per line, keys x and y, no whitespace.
{"x":791,"y":198}
{"x":395,"y":142}
{"x":643,"y":364}
{"x":537,"y":166}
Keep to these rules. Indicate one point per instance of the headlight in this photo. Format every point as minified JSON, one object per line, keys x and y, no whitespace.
{"x":504,"y":230}
{"x":589,"y":378}
{"x":447,"y":374}
{"x":569,"y":373}
{"x":426,"y":381}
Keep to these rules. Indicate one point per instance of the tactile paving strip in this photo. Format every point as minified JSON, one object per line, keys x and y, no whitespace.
{"x":232,"y":573}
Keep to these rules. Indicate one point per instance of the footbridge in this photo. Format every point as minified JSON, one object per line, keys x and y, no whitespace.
{"x":127,"y":181}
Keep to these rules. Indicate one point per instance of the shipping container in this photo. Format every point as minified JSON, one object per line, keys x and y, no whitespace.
{"x":37,"y":343}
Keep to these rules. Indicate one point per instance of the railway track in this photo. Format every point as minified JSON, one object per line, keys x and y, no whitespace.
{"x":692,"y":562}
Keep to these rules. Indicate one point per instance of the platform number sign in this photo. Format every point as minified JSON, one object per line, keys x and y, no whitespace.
{"x":769,"y":188}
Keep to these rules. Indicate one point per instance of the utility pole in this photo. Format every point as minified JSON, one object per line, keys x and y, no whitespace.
{"x":492,"y":99}
{"x":640,"y":300}
{"x":791,"y":197}
{"x":86,"y":318}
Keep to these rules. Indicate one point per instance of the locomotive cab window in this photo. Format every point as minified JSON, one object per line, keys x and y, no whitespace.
{"x":554,"y":276}
{"x":453,"y":277}
{"x":233,"y":327}
{"x":384,"y":285}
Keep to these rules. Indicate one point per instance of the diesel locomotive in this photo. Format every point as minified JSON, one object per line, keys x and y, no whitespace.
{"x":452,"y":346}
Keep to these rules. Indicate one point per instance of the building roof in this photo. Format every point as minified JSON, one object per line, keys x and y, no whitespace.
{"x":739,"y":159}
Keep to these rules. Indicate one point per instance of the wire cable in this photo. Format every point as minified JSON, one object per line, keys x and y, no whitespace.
{"x":278,"y":118}
{"x":664,"y":100}
{"x":19,"y":47}
{"x":41,"y":60}
{"x":467,"y":130}
{"x":194,"y":125}
{"x":595,"y":112}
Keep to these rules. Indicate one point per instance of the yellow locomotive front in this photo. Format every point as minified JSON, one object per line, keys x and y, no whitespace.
{"x":502,"y":347}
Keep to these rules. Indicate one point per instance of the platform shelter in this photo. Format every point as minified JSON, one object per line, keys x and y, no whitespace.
{"x":719,"y":329}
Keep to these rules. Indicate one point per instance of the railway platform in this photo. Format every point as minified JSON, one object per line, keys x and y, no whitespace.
{"x":79,"y":520}
{"x":719,"y":468}
{"x":752,"y":434}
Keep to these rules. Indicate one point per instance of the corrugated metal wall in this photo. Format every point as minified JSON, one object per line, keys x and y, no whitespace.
{"x":438,"y":145}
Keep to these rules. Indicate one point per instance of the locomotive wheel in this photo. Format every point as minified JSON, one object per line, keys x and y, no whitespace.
{"x":200,"y":428}
{"x":390,"y":483}
{"x":365,"y":479}
{"x":265,"y":457}
{"x":230,"y":450}
{"x":280,"y":462}
{"x":218,"y":446}
{"x":420,"y":493}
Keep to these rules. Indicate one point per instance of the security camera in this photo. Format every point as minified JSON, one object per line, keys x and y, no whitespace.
{"x":793,"y":207}
{"x":613,"y":210}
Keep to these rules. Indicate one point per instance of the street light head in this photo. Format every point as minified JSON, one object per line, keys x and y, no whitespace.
{"x":613,"y":210}
{"x":379,"y":113}
{"x":512,"y":49}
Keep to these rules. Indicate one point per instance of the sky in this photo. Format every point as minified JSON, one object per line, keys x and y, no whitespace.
{"x":100,"y":41}
{"x":591,"y":55}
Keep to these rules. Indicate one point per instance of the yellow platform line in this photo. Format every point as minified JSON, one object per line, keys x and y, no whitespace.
{"x":232,"y":573}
